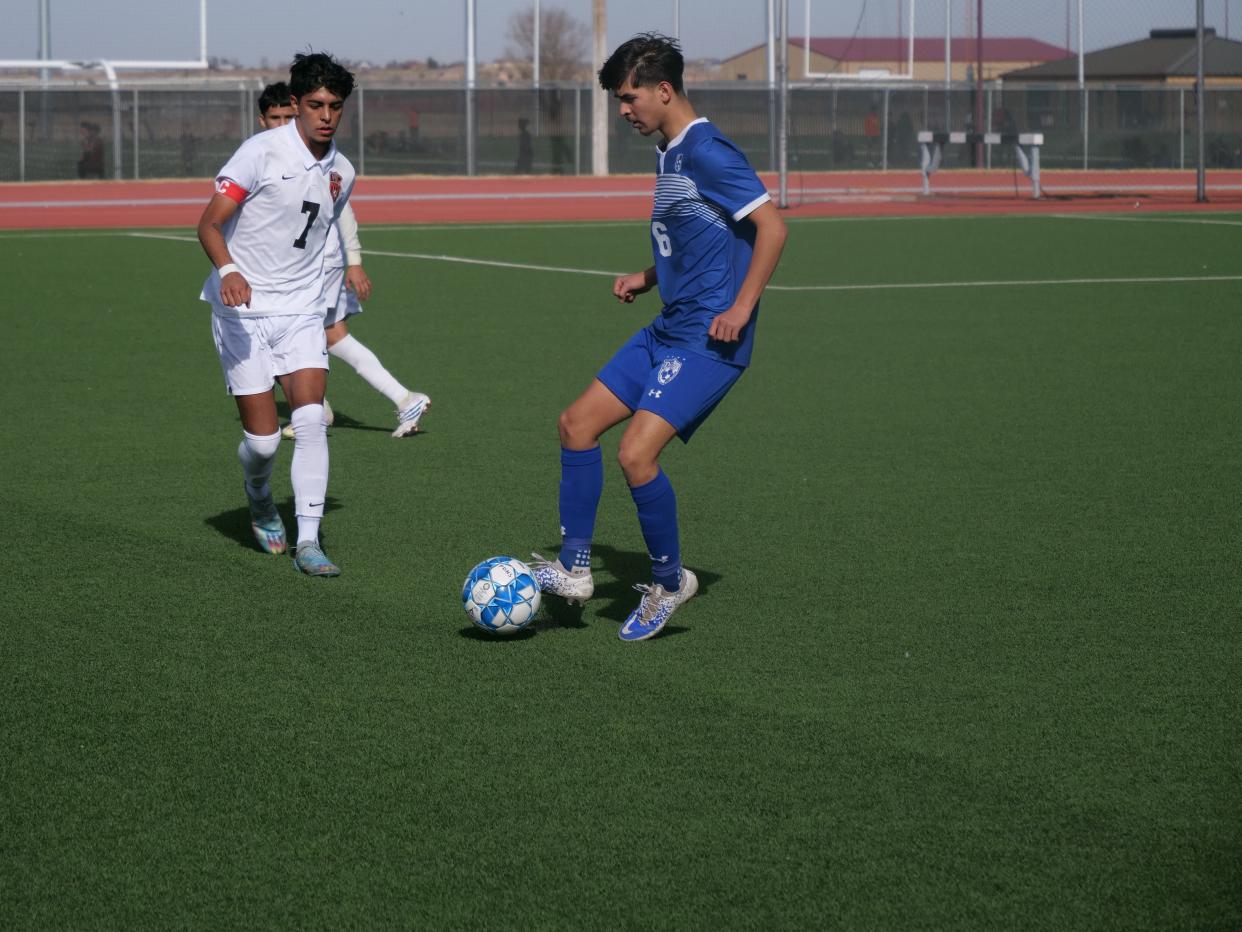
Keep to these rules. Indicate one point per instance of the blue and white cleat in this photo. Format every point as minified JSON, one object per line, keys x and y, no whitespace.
{"x":311,"y":560}
{"x":656,"y":607}
{"x":574,"y":587}
{"x":410,"y":413}
{"x":269,"y":530}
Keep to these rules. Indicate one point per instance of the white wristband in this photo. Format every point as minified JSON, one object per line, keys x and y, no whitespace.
{"x":227,"y":270}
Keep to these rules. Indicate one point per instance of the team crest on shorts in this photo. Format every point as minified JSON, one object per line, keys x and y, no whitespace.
{"x":334,"y":184}
{"x":668,"y":370}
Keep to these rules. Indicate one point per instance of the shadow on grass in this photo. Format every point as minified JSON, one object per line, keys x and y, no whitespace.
{"x":345,"y":422}
{"x":339,"y":421}
{"x":627,"y":567}
{"x":235,"y":523}
{"x":475,"y":633}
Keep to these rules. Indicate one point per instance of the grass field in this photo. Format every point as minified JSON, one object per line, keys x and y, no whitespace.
{"x":966,"y":656}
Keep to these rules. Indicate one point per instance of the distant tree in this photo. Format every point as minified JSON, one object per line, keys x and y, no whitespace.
{"x":432,"y":64}
{"x":563,"y":43}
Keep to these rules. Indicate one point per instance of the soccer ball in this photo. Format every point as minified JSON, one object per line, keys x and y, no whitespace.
{"x":501,"y":595}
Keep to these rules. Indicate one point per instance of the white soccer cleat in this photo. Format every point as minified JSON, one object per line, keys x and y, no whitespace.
{"x":656,"y":607}
{"x":574,"y":587}
{"x":415,"y":405}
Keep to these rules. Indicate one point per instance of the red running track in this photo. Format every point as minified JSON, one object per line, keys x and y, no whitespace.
{"x":109,"y":204}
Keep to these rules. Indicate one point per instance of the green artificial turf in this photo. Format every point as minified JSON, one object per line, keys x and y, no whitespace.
{"x":966,"y":653}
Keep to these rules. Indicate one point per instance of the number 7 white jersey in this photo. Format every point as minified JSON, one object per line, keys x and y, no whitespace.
{"x":288,"y":202}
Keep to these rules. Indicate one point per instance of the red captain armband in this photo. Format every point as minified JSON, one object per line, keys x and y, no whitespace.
{"x":230,"y":189}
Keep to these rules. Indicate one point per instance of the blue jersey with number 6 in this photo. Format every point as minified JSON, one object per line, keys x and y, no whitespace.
{"x":701,"y":239}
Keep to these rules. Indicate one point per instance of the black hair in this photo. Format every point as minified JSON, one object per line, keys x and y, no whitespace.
{"x":312,"y":71}
{"x":274,"y":95}
{"x":645,"y":61}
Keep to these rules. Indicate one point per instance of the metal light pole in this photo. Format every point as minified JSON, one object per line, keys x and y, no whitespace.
{"x":471,"y":67}
{"x":948,"y":60}
{"x":773,"y":161}
{"x":1084,"y":101}
{"x":783,"y":117}
{"x":202,"y":32}
{"x":45,"y":37}
{"x":535,"y":63}
{"x":1201,"y":179}
{"x":601,"y":105}
{"x":979,"y":127}
{"x":911,"y":40}
{"x":677,"y":19}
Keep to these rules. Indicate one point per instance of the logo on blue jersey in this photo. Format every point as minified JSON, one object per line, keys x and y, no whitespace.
{"x":677,"y":163}
{"x":668,"y":370}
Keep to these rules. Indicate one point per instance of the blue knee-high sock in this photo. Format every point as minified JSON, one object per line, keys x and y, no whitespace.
{"x":657,"y":516}
{"x":582,"y":481}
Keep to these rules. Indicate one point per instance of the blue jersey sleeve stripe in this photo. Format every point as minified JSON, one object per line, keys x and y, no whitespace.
{"x":750,"y":208}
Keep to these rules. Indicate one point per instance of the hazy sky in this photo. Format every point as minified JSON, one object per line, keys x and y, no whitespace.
{"x":383,"y":30}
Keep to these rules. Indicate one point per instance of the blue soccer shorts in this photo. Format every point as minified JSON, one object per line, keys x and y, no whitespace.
{"x":679,"y":385}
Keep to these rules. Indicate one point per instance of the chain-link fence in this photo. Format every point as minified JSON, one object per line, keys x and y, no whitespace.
{"x":56,"y":134}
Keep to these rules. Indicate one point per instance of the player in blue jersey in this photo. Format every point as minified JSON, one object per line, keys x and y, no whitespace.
{"x":716,"y":239}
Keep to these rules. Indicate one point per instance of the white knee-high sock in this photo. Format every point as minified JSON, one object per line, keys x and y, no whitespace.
{"x":258,"y":454}
{"x":367,"y":365}
{"x":309,"y":471}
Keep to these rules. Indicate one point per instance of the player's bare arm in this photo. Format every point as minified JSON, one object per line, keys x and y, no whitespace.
{"x":358,"y":281}
{"x":234,"y":289}
{"x":770,"y":235}
{"x":355,"y":278}
{"x":628,"y":287}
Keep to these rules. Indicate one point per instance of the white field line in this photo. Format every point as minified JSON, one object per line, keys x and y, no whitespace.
{"x":1149,"y":218}
{"x":168,"y":236}
{"x":505,"y":225}
{"x":872,"y":286}
{"x":851,"y":193}
{"x":1012,"y":283}
{"x":492,"y":263}
{"x":876,"y":286}
{"x":591,"y":224}
{"x":375,"y":198}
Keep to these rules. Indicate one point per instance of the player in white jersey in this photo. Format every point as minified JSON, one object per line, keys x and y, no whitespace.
{"x":266,"y":230}
{"x":350,"y":283}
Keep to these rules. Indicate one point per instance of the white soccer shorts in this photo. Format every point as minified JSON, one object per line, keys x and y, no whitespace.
{"x":255,"y":350}
{"x":345,"y":304}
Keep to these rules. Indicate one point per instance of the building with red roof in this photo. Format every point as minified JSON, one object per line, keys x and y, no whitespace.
{"x":877,"y":56}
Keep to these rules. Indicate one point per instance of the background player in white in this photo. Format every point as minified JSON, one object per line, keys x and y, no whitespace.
{"x":716,"y":239}
{"x":266,"y":230}
{"x":351,"y":285}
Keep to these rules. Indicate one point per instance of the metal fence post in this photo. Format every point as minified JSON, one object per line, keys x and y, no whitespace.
{"x":118,"y":152}
{"x":1085,"y":106}
{"x":578,"y":130}
{"x":987,"y":122}
{"x":884,"y":134}
{"x":136,"y":143}
{"x":1181,"y":127}
{"x":21,"y":134}
{"x":362,"y":133}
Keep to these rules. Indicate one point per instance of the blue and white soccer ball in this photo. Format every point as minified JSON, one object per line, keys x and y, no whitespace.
{"x":501,"y":595}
